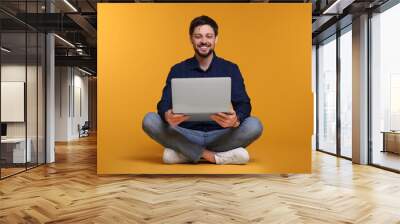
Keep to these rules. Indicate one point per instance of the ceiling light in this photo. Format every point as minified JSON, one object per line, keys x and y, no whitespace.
{"x":64,"y":40}
{"x":84,"y":71}
{"x":338,"y":6}
{"x":5,"y":50}
{"x":70,"y":5}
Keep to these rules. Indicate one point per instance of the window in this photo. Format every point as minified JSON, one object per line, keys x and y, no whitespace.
{"x":346,"y":93}
{"x":327,"y":95}
{"x":385,"y":88}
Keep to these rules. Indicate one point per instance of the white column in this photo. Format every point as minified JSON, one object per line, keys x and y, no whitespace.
{"x":50,"y":92}
{"x":50,"y":100}
{"x":360,"y":90}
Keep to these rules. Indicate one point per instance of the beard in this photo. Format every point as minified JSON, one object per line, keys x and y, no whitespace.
{"x":203,"y":55}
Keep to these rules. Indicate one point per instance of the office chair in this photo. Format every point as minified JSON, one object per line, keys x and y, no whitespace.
{"x":84,"y":130}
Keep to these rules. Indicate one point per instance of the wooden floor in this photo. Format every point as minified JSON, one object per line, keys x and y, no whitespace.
{"x":5,"y":172}
{"x":69,"y":191}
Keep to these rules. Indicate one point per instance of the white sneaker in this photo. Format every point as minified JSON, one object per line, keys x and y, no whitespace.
{"x":171,"y":156}
{"x":234,"y":156}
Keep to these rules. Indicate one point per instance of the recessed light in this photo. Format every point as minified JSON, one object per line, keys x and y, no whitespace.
{"x":84,"y":71}
{"x":71,"y":6}
{"x":5,"y":50}
{"x":64,"y":40}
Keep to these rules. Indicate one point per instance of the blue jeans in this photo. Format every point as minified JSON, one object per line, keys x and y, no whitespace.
{"x":191,"y":143}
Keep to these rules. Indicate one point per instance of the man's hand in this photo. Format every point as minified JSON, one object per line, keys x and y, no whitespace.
{"x":226,"y":120}
{"x":175,"y":119}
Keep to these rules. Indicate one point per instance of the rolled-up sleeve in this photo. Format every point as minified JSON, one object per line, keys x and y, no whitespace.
{"x":240,"y":100}
{"x":165,"y":102}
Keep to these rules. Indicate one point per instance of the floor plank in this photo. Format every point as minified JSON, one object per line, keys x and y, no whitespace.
{"x":70,"y":191}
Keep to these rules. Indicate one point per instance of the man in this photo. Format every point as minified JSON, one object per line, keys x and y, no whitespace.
{"x":221,"y":140}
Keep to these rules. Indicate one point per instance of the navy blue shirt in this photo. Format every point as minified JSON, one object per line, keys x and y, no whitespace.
{"x":218,"y":68}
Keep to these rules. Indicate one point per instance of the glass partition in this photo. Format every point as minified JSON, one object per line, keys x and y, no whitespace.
{"x":327,"y":95}
{"x":14,"y":153}
{"x":22,"y":77}
{"x":385,"y":89}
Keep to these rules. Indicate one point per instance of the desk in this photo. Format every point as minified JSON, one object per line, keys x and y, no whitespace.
{"x":391,"y":141}
{"x":13,"y":150}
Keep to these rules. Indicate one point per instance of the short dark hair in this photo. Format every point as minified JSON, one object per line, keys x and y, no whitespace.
{"x":203,"y":20}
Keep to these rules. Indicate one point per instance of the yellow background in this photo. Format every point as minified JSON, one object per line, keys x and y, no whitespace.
{"x":138,"y":44}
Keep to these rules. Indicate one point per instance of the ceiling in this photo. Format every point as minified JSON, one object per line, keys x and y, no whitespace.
{"x":77,"y":22}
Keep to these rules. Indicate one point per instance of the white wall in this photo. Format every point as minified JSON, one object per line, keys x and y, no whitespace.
{"x":33,"y":127}
{"x":71,"y":87}
{"x":16,"y":73}
{"x":62,"y":80}
{"x":80,"y":84}
{"x":13,"y":73}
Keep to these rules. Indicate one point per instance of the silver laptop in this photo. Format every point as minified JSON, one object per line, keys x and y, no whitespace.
{"x":201,"y":97}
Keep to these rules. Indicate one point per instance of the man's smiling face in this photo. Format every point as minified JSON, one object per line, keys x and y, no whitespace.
{"x":203,"y":40}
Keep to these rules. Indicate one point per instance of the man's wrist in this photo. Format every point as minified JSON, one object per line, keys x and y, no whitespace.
{"x":237,"y":123}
